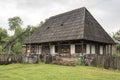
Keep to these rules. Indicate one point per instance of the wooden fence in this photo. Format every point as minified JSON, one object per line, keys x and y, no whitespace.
{"x":10,"y":58}
{"x":95,"y":60}
{"x":108,"y":62}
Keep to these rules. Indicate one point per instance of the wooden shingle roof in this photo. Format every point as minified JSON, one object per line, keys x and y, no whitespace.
{"x":73,"y":25}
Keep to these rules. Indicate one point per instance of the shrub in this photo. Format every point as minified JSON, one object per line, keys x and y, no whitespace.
{"x":0,"y":49}
{"x":116,"y":55}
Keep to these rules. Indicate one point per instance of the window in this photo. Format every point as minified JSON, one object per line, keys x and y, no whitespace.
{"x":65,"y":48}
{"x":56,"y":49}
{"x":78,"y":48}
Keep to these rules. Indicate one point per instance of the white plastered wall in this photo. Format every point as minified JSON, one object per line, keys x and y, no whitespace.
{"x":72,"y":48}
{"x":101,"y":49}
{"x":39,"y":49}
{"x":52,"y":49}
{"x":88,"y":49}
{"x":93,"y":49}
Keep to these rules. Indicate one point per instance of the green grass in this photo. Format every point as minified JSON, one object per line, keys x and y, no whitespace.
{"x":55,"y":72}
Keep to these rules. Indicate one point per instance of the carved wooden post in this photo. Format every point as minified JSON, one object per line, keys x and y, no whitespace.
{"x":82,"y":47}
{"x":90,"y":49}
{"x":58,"y":48}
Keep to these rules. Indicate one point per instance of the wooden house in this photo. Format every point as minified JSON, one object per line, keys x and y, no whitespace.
{"x":73,"y":32}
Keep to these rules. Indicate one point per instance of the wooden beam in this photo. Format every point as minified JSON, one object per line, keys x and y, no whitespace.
{"x":104,"y":49}
{"x":111,"y":49}
{"x":26,"y":49}
{"x":82,"y":47}
{"x":90,"y":49}
{"x":58,"y":48}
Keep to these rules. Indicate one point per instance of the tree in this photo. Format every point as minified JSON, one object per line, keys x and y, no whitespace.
{"x":15,"y":22}
{"x":32,"y":29}
{"x":0,"y":49}
{"x":3,"y":38}
{"x":3,"y":34}
{"x":17,"y":48}
{"x":40,"y":24}
{"x":116,"y":36}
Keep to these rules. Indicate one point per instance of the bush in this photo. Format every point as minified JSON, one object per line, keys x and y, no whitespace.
{"x":0,"y":49}
{"x":116,"y":55}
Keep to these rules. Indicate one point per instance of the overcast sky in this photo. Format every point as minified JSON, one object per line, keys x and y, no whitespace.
{"x":107,"y":12}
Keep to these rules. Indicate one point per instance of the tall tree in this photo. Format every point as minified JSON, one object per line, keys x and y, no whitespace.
{"x":15,"y":22}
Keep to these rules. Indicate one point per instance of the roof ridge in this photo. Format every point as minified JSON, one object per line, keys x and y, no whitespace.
{"x":67,"y":12}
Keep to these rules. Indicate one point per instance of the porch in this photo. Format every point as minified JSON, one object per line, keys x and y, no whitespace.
{"x":71,"y":48}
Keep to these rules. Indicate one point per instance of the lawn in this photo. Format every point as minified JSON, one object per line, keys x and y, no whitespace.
{"x":55,"y":72}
